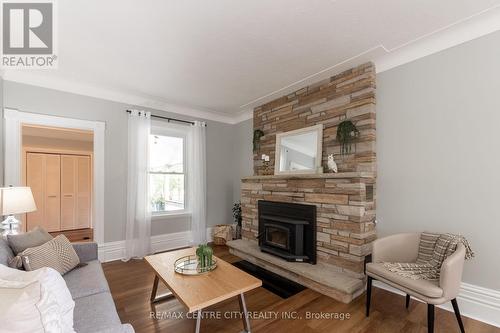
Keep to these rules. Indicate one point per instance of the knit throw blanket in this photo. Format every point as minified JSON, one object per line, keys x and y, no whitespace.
{"x":433,"y":250}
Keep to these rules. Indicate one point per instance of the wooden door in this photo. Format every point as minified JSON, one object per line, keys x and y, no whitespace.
{"x":68,"y":190}
{"x":43,"y":175}
{"x":75,"y":192}
{"x":83,"y":192}
{"x":53,"y":192}
{"x":35,"y":176}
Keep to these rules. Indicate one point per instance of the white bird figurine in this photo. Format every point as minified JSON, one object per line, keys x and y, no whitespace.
{"x":332,"y":166}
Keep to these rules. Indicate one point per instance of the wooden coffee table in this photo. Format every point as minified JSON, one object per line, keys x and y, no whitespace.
{"x":201,"y":291}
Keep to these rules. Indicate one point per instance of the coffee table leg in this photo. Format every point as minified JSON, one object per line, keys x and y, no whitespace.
{"x":154,"y":298}
{"x":244,"y":312}
{"x":198,"y":321}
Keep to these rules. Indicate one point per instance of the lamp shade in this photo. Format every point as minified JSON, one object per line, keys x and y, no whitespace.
{"x":16,"y":200}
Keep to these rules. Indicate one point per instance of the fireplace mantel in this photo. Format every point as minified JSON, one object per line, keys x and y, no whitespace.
{"x":339,"y":175}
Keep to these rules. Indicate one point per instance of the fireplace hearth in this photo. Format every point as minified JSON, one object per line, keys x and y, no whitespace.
{"x":288,"y":230}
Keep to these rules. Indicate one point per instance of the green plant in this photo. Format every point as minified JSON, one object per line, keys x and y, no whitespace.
{"x":346,"y":133}
{"x":160,"y":200}
{"x":257,"y":134}
{"x":204,"y":254}
{"x":237,"y":213}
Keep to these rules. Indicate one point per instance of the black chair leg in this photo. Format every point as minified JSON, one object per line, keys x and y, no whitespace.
{"x":430,"y":318}
{"x":457,"y":314}
{"x":368,"y":295}
{"x":407,"y":301}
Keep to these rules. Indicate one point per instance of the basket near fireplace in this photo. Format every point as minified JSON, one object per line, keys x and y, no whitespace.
{"x":222,"y":234}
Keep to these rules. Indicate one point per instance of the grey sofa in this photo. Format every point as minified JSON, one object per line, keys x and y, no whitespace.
{"x":95,"y":311}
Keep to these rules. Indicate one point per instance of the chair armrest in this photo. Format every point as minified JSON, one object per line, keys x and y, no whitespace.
{"x":87,"y":251}
{"x":396,"y":248}
{"x":451,"y":273}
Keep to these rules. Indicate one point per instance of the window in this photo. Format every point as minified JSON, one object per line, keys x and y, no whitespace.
{"x":167,"y":179}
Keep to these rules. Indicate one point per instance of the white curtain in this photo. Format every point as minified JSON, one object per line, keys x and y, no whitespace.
{"x":197,"y":182}
{"x":138,"y":229}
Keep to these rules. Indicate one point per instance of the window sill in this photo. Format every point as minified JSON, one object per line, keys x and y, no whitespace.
{"x":167,"y":216}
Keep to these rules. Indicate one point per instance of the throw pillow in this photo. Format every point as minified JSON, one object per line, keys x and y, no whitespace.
{"x":57,"y":253}
{"x":6,"y":254}
{"x":50,"y":281}
{"x":21,"y":242}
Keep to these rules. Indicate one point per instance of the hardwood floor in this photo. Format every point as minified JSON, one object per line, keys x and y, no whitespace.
{"x":131,"y":284}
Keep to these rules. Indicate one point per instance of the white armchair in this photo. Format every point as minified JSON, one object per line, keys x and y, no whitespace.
{"x":404,"y":248}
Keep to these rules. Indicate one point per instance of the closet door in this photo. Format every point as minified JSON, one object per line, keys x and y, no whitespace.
{"x":68,"y":190}
{"x":75,"y":192}
{"x":35,"y":180}
{"x":43,"y":176}
{"x":83,"y":192}
{"x":52,"y":218}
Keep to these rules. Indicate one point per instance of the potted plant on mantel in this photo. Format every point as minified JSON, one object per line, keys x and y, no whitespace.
{"x":346,"y":133}
{"x":257,"y":134}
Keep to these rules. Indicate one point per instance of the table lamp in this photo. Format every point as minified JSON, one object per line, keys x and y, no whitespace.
{"x":15,"y":200}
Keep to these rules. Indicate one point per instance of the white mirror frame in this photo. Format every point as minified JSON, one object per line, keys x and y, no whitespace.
{"x":319,"y":151}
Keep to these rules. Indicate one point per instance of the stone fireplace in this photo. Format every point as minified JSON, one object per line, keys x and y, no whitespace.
{"x":345,"y":212}
{"x":344,"y":202}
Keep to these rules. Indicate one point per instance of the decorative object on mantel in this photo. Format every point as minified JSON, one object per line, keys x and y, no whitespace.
{"x":346,"y":133}
{"x":332,"y":166}
{"x":237,"y":218}
{"x":257,"y":134}
{"x":265,"y":160}
{"x":222,"y":234}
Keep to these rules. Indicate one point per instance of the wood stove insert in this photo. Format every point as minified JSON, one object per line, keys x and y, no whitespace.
{"x":288,"y":230}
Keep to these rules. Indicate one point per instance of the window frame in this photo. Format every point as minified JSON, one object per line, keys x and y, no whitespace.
{"x":172,"y":131}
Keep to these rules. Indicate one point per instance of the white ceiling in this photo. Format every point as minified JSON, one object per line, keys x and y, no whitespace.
{"x":219,"y":58}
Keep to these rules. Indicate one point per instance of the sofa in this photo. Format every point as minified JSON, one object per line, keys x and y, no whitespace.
{"x":95,"y":311}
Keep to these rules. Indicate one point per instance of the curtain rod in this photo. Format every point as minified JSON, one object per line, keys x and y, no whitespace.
{"x":169,"y":119}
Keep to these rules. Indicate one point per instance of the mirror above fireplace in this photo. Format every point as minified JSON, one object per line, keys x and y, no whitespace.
{"x":299,"y":151}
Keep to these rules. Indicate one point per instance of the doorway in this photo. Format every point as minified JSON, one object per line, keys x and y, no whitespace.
{"x":13,"y":172}
{"x":57,"y":166}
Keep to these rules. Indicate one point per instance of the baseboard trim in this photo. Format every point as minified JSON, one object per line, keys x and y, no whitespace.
{"x":112,"y":251}
{"x":475,"y":302}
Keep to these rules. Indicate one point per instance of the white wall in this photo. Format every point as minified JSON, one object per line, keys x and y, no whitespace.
{"x":438,"y":150}
{"x":243,"y":155}
{"x":219,"y":150}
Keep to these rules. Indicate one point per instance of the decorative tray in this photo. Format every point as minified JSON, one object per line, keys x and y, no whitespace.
{"x":189,"y":265}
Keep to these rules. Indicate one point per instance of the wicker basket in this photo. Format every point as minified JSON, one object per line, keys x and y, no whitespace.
{"x":222,"y":234}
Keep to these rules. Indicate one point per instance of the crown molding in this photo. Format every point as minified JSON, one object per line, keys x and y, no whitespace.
{"x":95,"y":91}
{"x":475,"y":26}
{"x":243,"y":115}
